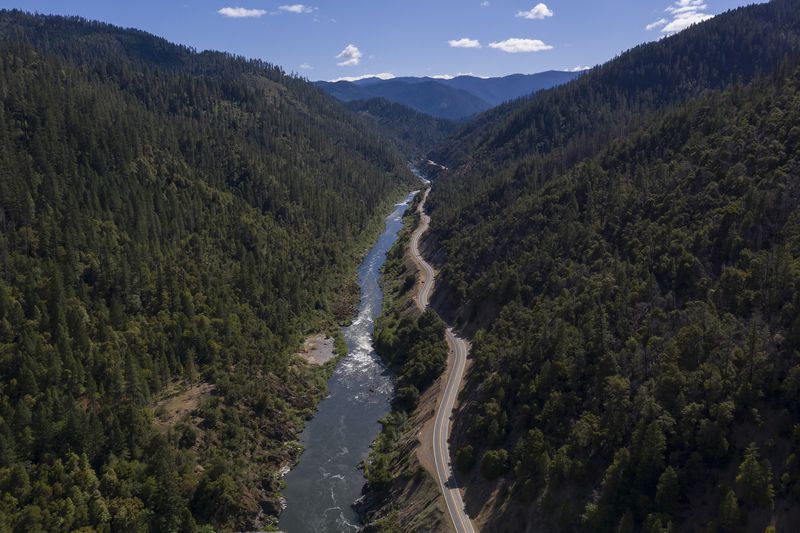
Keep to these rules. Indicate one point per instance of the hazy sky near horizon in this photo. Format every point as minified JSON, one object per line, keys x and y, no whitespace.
{"x":331,"y":39}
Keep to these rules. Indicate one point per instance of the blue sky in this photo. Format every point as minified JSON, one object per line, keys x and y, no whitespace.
{"x":330,"y":39}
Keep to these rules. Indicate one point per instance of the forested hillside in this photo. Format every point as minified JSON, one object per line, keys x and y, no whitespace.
{"x":169,"y":221}
{"x":647,"y":341}
{"x":627,"y":246}
{"x":524,"y":143}
{"x":413,"y":132}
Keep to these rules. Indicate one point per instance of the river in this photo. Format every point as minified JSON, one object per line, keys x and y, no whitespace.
{"x":327,"y":480}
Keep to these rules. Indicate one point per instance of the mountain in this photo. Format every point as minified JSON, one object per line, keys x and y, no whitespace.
{"x":496,"y":91}
{"x":624,"y":250}
{"x":426,"y":96}
{"x":522,"y":144}
{"x":414,"y":132}
{"x":453,"y":99}
{"x":173,"y":223}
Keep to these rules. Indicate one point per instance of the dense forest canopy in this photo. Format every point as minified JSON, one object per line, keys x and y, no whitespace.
{"x":524,"y":143}
{"x":648,"y":325}
{"x":626,"y":246}
{"x":166,"y":217}
{"x":413,"y":132}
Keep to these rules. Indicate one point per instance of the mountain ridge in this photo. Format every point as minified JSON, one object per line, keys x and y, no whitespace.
{"x":616,"y":245}
{"x":453,"y":98}
{"x":173,"y":224}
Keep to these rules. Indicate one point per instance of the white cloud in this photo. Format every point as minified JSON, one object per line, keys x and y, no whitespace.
{"x":485,"y":3}
{"x":684,"y":21}
{"x":538,"y":12}
{"x":296,"y":8}
{"x":684,"y":6}
{"x":656,"y":24}
{"x":464,"y":43}
{"x":683,"y":13}
{"x":306,"y":66}
{"x":350,"y":56}
{"x":579,"y":68}
{"x":241,"y":12}
{"x":380,"y":75}
{"x":516,"y":46}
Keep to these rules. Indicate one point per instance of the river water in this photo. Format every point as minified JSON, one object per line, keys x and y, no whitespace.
{"x":327,"y":480}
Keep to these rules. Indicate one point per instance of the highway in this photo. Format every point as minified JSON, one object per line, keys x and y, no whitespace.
{"x":458,"y":360}
{"x":427,"y":270}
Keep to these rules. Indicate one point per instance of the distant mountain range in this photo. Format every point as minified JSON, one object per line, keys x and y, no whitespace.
{"x":454,"y":98}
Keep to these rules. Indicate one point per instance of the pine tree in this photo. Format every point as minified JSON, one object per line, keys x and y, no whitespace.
{"x":754,"y":479}
{"x":668,"y":491}
{"x":729,"y":516}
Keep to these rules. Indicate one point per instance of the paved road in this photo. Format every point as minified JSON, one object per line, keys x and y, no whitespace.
{"x":427,"y":286}
{"x":441,"y":427}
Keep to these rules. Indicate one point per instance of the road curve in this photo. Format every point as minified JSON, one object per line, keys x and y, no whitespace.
{"x":427,"y":282}
{"x":441,"y":426}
